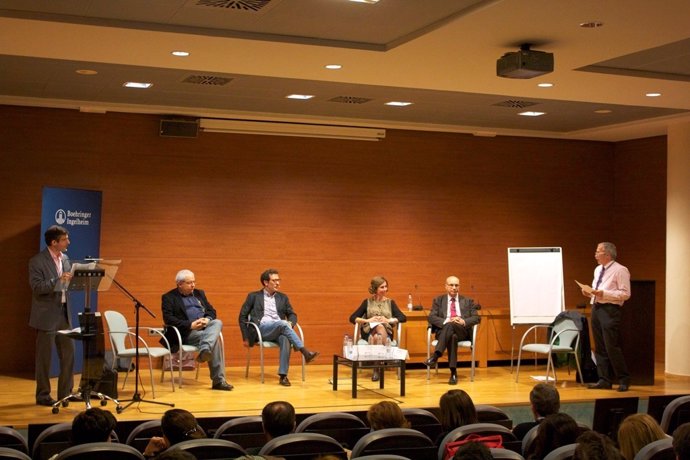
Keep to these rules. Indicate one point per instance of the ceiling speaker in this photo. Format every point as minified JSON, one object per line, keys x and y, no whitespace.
{"x":179,"y":128}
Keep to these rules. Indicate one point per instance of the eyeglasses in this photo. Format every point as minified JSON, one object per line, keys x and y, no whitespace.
{"x":190,"y":432}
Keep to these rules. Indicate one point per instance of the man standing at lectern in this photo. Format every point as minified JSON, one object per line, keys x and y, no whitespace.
{"x":188,"y":309}
{"x":452,"y":318}
{"x":50,"y":313}
{"x":611,"y":287}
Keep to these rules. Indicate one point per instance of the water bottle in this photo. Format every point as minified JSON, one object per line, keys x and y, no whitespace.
{"x":346,"y":344}
{"x":409,"y":302}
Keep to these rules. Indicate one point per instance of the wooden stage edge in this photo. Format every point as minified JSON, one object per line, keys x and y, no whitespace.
{"x":492,"y":385}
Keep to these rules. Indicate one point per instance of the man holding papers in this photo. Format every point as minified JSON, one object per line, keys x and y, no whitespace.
{"x":610,"y":288}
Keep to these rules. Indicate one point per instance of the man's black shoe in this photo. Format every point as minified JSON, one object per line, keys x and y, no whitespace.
{"x":284,"y":381}
{"x":375,"y":376}
{"x":204,"y":356}
{"x":600,"y":385}
{"x":453,"y":380}
{"x":224,"y":386}
{"x":46,"y":402}
{"x":431,"y":361}
{"x":623,"y":387}
{"x":309,"y":357}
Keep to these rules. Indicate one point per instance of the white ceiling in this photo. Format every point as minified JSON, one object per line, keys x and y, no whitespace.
{"x":439,"y":54}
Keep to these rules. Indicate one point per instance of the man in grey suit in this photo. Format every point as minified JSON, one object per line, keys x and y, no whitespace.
{"x":50,"y":313}
{"x":271,"y":311}
{"x":452,"y":318}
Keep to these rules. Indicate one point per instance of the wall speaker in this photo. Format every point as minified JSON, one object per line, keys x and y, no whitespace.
{"x":179,"y":128}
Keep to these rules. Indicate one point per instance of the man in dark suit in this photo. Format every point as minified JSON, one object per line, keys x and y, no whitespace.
{"x":50,"y":313}
{"x":188,"y":309}
{"x":271,"y":311}
{"x":452,"y":317}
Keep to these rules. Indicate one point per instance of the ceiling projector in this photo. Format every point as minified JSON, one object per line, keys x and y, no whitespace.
{"x":524,"y":64}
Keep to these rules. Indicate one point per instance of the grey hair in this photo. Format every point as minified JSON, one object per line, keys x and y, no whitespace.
{"x":182,"y":274}
{"x":610,"y":249}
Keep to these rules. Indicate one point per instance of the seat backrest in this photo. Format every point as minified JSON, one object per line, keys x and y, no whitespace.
{"x":656,"y":404}
{"x":676,"y":413}
{"x":424,"y":421}
{"x":211,"y":449}
{"x":247,"y":431}
{"x":657,"y":450}
{"x":382,"y":457}
{"x":13,"y":439}
{"x":398,"y":441}
{"x":117,"y":327}
{"x":344,"y":427}
{"x":303,"y":446}
{"x":492,"y":414}
{"x":52,"y":440}
{"x":529,"y":438}
{"x":140,"y":436}
{"x":482,"y":429}
{"x":100,"y":451}
{"x":568,"y":332}
{"x":562,"y":453}
{"x":8,"y":453}
{"x":505,"y":454}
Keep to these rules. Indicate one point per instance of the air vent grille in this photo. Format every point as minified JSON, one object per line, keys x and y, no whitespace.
{"x":243,"y":5}
{"x":207,"y":80}
{"x":516,"y":104}
{"x":350,"y":100}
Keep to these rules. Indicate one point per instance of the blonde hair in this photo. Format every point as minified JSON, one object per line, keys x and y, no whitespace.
{"x":637,"y":431}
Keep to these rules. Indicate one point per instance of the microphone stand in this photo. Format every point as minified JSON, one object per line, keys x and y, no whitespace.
{"x":136,"y":398}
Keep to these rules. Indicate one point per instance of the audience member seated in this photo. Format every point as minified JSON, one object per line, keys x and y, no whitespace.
{"x":544,"y":400}
{"x":595,"y":446}
{"x":456,"y":409}
{"x":177,"y":425}
{"x":386,"y":414}
{"x":92,"y":425}
{"x":681,"y":442}
{"x":635,"y":432}
{"x":473,"y":451}
{"x":554,"y":431}
{"x":278,"y":419}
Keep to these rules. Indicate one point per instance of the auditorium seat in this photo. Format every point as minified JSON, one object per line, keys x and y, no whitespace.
{"x":657,"y":450}
{"x":247,"y":431}
{"x":398,"y":441}
{"x":423,"y":421}
{"x":303,"y":446}
{"x":140,"y":436}
{"x":505,"y":454}
{"x":483,"y":429}
{"x":210,"y":448}
{"x":344,"y":427}
{"x":100,"y":451}
{"x":8,"y":453}
{"x":13,"y":439}
{"x":676,"y":413}
{"x":492,"y":414}
{"x":562,"y":453}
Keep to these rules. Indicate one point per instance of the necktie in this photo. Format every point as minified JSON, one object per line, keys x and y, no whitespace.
{"x":453,"y":311}
{"x":601,"y":277}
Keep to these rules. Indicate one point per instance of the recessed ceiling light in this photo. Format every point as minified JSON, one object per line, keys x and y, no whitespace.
{"x":591,"y":24}
{"x":530,"y":113}
{"x":603,"y":111}
{"x":86,"y":72}
{"x":399,"y":103}
{"x":653,"y":94}
{"x":365,"y":1}
{"x":180,"y":53}
{"x":545,"y":85}
{"x":302,"y":97}
{"x":136,"y":84}
{"x":334,"y":67}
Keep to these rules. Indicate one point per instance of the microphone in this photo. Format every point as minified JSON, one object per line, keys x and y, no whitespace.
{"x":419,"y":305}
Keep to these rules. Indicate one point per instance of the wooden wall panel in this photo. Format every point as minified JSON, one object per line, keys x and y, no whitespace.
{"x":329,"y":214}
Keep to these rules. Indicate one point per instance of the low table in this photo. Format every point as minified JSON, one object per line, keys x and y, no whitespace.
{"x":357,"y":364}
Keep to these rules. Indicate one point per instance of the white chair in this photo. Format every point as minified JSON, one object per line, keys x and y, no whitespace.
{"x":261,"y":343}
{"x":467,"y":344}
{"x":565,"y":332}
{"x":121,"y":336}
{"x":185,"y":348}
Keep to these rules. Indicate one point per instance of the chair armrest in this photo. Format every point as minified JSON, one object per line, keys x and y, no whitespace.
{"x":533,"y":328}
{"x":258,"y":332}
{"x":555,"y":336}
{"x":300,"y":332}
{"x":160,"y":332}
{"x":177,"y":333}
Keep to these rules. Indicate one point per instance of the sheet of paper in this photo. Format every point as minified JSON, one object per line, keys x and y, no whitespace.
{"x":587,"y":289}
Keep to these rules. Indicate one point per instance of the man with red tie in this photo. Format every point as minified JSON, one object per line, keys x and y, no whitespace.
{"x":452,"y":317}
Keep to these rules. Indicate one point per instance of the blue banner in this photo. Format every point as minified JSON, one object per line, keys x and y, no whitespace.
{"x":79,"y":211}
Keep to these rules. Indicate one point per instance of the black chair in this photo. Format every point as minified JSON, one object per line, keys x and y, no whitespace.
{"x":211,"y":449}
{"x":8,"y":453}
{"x":562,"y":453}
{"x":344,"y":427}
{"x":100,"y":451}
{"x":510,"y":442}
{"x":140,"y":436}
{"x":657,"y":450}
{"x":676,"y":413}
{"x":529,"y":438}
{"x":303,"y":446}
{"x":247,"y":431}
{"x":423,"y":421}
{"x":505,"y":454}
{"x":396,"y":441}
{"x":13,"y":439}
{"x":492,"y":414}
{"x":383,"y":457}
{"x":657,"y":403}
{"x":52,"y":440}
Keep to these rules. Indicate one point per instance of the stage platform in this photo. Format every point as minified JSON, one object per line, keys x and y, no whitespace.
{"x":492,"y":385}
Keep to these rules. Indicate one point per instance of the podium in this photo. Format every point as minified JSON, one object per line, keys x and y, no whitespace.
{"x":88,"y":277}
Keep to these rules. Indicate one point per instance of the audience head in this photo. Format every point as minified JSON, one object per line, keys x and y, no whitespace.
{"x":386,"y":414}
{"x":554,"y":431}
{"x":180,"y":425}
{"x":473,"y":451}
{"x":635,"y":432}
{"x":545,"y":400}
{"x":456,"y":409}
{"x":594,"y":446}
{"x":681,"y":442}
{"x":278,"y":418}
{"x":92,"y":425}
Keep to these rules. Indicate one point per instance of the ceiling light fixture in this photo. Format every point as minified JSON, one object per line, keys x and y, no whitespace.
{"x":653,"y":94}
{"x":603,"y":111}
{"x":271,"y":128}
{"x":333,"y":66}
{"x":371,"y":2}
{"x":180,"y":53}
{"x":136,"y":84}
{"x":530,"y":113}
{"x":302,"y":97}
{"x":591,"y":24}
{"x":86,"y":72}
{"x":398,"y":103}
{"x":545,"y":85}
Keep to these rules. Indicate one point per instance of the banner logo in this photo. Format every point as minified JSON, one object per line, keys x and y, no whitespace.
{"x":60,"y":216}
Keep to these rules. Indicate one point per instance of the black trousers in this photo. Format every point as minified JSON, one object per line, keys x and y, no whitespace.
{"x":606,"y":318}
{"x":448,"y":337}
